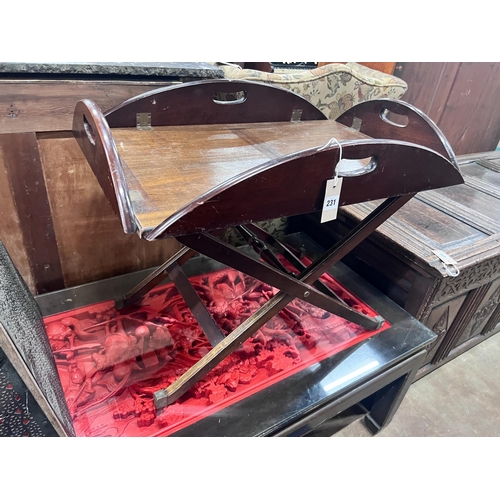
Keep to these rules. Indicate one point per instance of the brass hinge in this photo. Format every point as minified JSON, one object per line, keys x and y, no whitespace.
{"x":143,"y":121}
{"x":296,"y":115}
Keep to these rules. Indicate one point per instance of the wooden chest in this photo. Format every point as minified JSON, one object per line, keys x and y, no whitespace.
{"x":54,"y":214}
{"x":400,"y":260}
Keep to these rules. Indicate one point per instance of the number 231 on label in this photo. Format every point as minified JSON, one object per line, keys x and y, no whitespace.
{"x":331,"y":200}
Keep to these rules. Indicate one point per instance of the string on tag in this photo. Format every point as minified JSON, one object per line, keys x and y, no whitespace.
{"x":335,"y":173}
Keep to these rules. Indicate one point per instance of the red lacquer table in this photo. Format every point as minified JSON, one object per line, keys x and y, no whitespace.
{"x":112,"y":362}
{"x":299,"y":370}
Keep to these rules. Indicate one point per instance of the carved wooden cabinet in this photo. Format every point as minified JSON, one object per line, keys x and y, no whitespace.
{"x":399,"y":259}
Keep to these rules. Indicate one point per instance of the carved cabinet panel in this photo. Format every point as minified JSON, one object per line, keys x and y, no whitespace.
{"x":483,"y":313}
{"x":440,"y":321}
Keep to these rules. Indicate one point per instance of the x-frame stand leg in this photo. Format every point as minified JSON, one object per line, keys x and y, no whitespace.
{"x":226,"y":346}
{"x":293,"y":258}
{"x":228,"y":255}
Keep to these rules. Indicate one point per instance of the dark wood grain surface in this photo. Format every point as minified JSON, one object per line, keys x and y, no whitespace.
{"x":169,"y":167}
{"x":91,"y":241}
{"x":215,"y":101}
{"x":423,"y":225}
{"x":463,"y":99}
{"x":475,"y":98}
{"x":11,"y":234}
{"x":94,"y":137}
{"x":296,"y":185}
{"x":48,"y":105}
{"x":429,"y":85}
{"x":22,"y":160}
{"x":389,"y":119}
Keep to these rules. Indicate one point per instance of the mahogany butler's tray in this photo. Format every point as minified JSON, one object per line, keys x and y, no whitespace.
{"x":188,"y":161}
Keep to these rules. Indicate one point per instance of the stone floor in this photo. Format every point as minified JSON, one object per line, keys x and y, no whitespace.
{"x":461,"y":398}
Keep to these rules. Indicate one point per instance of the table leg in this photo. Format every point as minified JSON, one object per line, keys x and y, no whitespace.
{"x":384,"y":393}
{"x":387,"y":400}
{"x":154,"y":279}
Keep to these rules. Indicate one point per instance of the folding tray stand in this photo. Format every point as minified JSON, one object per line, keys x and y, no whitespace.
{"x":188,"y":161}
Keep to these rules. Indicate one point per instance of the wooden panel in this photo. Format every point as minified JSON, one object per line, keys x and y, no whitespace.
{"x":465,"y":203}
{"x":440,"y":321}
{"x":22,"y":161}
{"x":482,"y":179}
{"x":461,"y":220}
{"x":462,"y":98}
{"x":376,"y":121}
{"x":435,"y":229}
{"x":37,"y":106}
{"x":483,"y":313}
{"x":417,"y":228}
{"x":172,"y":166}
{"x":493,"y":324}
{"x":467,"y":311}
{"x":90,"y":238}
{"x":10,"y":229}
{"x":429,"y":84}
{"x":213,"y":101}
{"x":475,"y":99}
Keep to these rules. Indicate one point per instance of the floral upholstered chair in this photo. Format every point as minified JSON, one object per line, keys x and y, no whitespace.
{"x":333,"y":88}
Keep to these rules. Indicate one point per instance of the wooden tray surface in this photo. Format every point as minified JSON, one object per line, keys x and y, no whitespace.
{"x":168,"y":167}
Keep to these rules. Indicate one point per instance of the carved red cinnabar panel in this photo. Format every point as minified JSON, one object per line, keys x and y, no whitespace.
{"x":111,"y":362}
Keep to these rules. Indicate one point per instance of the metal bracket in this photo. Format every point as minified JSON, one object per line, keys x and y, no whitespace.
{"x":450,"y":264}
{"x":296,"y":115}
{"x":356,"y":123}
{"x":143,"y":121}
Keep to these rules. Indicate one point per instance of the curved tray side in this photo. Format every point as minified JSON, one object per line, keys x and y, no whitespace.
{"x":198,"y":103}
{"x":420,"y":129}
{"x":295,"y":184}
{"x":95,"y":140}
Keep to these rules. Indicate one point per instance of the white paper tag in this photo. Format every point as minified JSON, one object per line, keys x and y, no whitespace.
{"x":331,"y":201}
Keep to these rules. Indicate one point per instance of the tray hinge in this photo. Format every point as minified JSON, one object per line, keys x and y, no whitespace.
{"x":296,"y":115}
{"x":143,"y":121}
{"x":356,"y":123}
